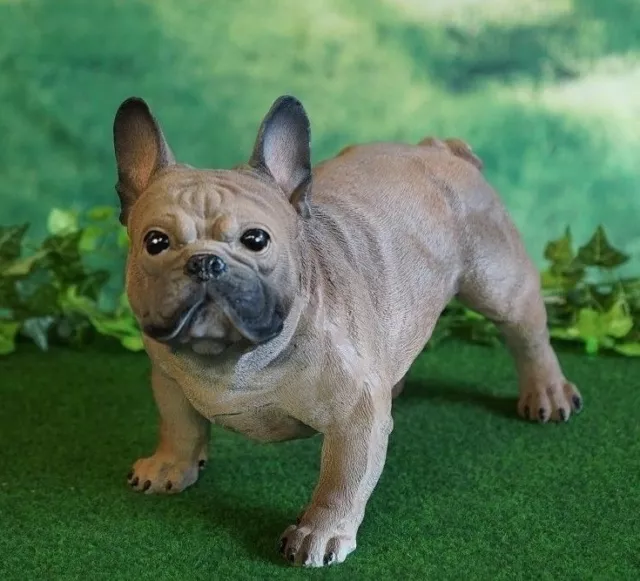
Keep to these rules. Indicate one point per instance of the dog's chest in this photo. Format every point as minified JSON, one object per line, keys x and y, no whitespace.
{"x":253,"y":413}
{"x":265,"y":423}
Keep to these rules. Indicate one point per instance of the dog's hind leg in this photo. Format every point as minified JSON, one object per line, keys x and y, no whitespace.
{"x":398,"y":387}
{"x":501,"y":282}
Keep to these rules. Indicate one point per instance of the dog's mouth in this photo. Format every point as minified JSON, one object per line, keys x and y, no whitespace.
{"x":182,"y":324}
{"x":213,"y":322}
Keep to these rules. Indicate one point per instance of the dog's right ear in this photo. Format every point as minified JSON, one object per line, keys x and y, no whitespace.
{"x":141,"y":150}
{"x":283,"y":151}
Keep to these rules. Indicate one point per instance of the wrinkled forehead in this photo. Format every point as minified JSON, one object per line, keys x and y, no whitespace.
{"x":222,"y":200}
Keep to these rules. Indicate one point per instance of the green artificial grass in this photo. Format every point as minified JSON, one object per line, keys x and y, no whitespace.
{"x":469,"y":491}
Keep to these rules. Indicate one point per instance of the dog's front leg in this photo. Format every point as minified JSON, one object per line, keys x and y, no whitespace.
{"x":353,"y":456}
{"x":182,"y":444}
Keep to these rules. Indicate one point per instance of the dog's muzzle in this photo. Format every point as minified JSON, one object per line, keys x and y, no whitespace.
{"x":204,"y":267}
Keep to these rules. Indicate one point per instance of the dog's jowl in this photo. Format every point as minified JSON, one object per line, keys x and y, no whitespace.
{"x":282,"y":301}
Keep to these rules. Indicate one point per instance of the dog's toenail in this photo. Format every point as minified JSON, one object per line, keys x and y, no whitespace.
{"x":542,"y":414}
{"x":168,"y":485}
{"x":146,"y":485}
{"x":202,"y":463}
{"x":135,"y":481}
{"x":563,"y":414}
{"x":577,"y":402}
{"x":130,"y":475}
{"x":328,"y":558}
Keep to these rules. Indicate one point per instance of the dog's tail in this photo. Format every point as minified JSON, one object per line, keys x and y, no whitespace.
{"x":456,"y":146}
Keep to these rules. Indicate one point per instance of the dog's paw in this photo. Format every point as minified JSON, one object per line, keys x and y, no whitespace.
{"x":555,"y":402}
{"x":163,"y":474}
{"x":316,"y":545}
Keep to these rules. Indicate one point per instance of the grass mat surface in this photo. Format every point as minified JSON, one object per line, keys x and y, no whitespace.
{"x":469,"y":491}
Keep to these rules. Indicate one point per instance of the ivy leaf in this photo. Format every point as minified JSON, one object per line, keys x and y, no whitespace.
{"x":567,"y":278}
{"x":73,"y":329}
{"x":89,"y":238}
{"x":101,"y":213}
{"x":63,"y":258}
{"x":592,"y":346}
{"x":11,"y":238}
{"x":590,"y":329}
{"x":589,"y":324}
{"x":42,"y":301}
{"x":599,"y":252}
{"x":8,"y":332}
{"x":23,"y":266}
{"x":120,"y":327}
{"x":123,"y":238}
{"x":37,"y":329}
{"x":628,"y":349}
{"x":123,"y":303}
{"x":565,"y":271}
{"x":133,"y":343}
{"x":560,"y":252}
{"x":9,"y":297}
{"x":617,"y":321}
{"x":62,"y":221}
{"x":570,"y":334}
{"x":93,"y":283}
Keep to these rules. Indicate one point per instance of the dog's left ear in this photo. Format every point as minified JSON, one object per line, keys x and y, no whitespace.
{"x":283,"y":150}
{"x":141,"y":151}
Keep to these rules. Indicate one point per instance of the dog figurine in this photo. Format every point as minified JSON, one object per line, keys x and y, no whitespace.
{"x":282,"y":301}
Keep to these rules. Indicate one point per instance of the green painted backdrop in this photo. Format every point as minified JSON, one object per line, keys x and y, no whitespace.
{"x":546,"y":91}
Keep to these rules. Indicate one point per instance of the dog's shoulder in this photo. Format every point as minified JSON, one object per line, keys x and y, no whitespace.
{"x":453,"y":145}
{"x":458,"y":147}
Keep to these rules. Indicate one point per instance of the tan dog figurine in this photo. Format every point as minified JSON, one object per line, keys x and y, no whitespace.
{"x":280,"y":301}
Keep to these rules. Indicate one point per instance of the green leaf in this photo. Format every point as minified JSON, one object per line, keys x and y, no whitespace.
{"x":62,"y":221}
{"x":589,"y":324}
{"x":473,"y":315}
{"x":89,"y":238}
{"x":123,"y":303}
{"x":566,"y":278}
{"x":560,"y":252}
{"x":628,"y":349}
{"x":592,"y":346}
{"x":599,"y":252}
{"x":38,"y":330}
{"x":104,"y":323}
{"x":93,"y":283}
{"x":23,"y":266}
{"x":8,"y":332}
{"x":617,"y":320}
{"x":565,"y":271}
{"x":123,"y":238}
{"x":72,"y":301}
{"x":570,"y":333}
{"x":11,"y":238}
{"x":101,"y":213}
{"x":9,"y":297}
{"x":63,"y":259}
{"x":133,"y":343}
{"x":41,"y":302}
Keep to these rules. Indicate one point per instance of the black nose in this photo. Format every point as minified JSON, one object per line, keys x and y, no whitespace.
{"x":204,"y":267}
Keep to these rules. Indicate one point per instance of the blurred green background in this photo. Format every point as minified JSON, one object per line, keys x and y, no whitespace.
{"x":546,"y":91}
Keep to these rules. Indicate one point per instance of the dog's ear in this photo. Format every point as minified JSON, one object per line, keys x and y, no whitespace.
{"x":283,"y":150}
{"x":141,"y":150}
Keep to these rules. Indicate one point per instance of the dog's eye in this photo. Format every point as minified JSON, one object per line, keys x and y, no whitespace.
{"x":156,"y":242}
{"x":255,"y":239}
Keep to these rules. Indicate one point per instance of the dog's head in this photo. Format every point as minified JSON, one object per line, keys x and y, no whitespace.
{"x":213,"y":257}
